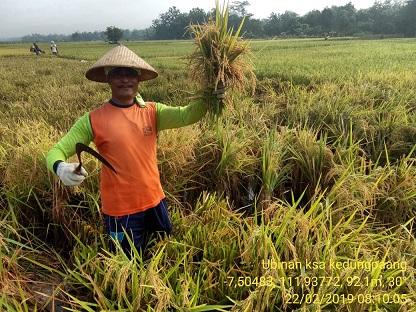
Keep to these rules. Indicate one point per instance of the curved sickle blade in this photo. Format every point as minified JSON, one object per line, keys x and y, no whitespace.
{"x":79,"y":148}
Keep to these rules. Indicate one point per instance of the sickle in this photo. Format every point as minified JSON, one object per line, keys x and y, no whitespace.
{"x":79,"y":148}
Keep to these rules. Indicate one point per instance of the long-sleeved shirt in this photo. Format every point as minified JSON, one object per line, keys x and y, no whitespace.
{"x":126,"y":137}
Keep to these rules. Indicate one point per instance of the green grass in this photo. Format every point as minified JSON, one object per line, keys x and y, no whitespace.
{"x":317,"y":166}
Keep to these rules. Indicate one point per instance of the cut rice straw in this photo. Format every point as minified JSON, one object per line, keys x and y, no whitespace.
{"x":220,"y":59}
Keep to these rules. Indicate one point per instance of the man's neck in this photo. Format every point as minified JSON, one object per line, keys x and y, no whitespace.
{"x":123,"y":102}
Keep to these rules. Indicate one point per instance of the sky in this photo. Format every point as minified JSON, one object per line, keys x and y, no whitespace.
{"x":23,"y":17}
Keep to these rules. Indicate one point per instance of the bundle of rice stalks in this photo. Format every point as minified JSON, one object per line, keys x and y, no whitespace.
{"x":220,"y":58}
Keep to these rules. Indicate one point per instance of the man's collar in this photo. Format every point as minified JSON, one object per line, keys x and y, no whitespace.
{"x":137,"y":100}
{"x":117,"y":103}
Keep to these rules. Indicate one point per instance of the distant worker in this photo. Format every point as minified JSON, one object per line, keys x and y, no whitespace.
{"x":54,"y":48}
{"x":35,"y":48}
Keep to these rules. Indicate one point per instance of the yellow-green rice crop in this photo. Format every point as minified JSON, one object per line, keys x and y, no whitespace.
{"x":300,"y":198}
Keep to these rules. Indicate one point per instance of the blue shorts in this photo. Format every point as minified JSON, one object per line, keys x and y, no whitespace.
{"x":139,"y":226}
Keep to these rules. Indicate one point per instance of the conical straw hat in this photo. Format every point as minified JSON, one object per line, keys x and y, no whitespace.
{"x":120,"y":56}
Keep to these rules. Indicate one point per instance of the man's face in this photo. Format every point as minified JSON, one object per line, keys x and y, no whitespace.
{"x":124,"y":83}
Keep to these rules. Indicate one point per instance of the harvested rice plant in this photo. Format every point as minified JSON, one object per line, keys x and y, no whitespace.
{"x":301,"y":196}
{"x":220,"y":58}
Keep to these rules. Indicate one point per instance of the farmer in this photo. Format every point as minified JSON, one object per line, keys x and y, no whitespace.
{"x":35,"y":48}
{"x":124,"y":130}
{"x":54,"y":48}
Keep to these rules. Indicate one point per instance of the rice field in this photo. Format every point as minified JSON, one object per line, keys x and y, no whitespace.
{"x":300,"y":197}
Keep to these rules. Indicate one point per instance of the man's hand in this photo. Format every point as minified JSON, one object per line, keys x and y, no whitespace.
{"x":220,"y":92}
{"x":66,"y":172}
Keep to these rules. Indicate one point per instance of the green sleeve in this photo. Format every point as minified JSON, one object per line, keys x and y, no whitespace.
{"x":169,"y":117}
{"x":80,"y":132}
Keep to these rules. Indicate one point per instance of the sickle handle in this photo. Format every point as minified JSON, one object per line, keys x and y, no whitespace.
{"x":80,"y":147}
{"x":78,"y":169}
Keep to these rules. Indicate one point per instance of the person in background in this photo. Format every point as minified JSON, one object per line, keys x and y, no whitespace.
{"x":124,"y":130}
{"x":54,"y":48}
{"x":35,"y":48}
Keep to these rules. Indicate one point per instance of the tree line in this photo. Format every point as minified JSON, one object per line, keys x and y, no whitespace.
{"x":388,"y":18}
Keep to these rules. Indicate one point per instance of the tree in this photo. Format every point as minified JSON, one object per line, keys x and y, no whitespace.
{"x":239,"y":8}
{"x":237,"y":12}
{"x":87,"y":36}
{"x":365,"y":21}
{"x":170,"y":25}
{"x":113,"y":34}
{"x":393,"y":17}
{"x":407,"y":19}
{"x":76,"y":36}
{"x":272,"y":25}
{"x":139,"y":34}
{"x":345,"y":19}
{"x":290,"y":23}
{"x":327,"y":20}
{"x":383,"y":17}
{"x":254,"y":28}
{"x":197,"y":16}
{"x":313,"y":20}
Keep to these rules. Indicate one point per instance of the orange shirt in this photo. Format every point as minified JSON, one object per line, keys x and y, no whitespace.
{"x":127,"y":137}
